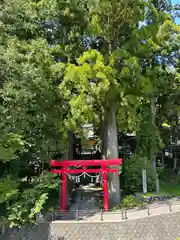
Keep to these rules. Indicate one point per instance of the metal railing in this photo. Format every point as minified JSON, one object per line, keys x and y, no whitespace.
{"x":44,"y":223}
{"x":116,"y":215}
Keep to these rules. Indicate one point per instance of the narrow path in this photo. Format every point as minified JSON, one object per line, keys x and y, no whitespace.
{"x":85,"y":202}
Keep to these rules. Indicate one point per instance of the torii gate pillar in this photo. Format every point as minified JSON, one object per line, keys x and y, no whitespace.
{"x":63,"y":192}
{"x":63,"y":168}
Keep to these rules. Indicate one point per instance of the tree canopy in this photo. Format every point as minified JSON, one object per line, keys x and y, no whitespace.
{"x":67,"y":63}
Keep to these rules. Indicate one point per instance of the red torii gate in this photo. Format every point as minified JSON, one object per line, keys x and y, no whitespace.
{"x":64,"y":169}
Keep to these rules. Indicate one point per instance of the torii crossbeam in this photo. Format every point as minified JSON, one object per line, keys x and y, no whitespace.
{"x":63,"y":168}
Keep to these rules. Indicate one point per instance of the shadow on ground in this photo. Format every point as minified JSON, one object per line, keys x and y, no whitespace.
{"x":84,"y":205}
{"x":37,"y":232}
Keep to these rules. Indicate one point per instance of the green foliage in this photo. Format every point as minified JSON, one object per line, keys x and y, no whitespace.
{"x":34,"y":34}
{"x":10,"y":144}
{"x":129,"y":202}
{"x":87,"y":85}
{"x":62,"y":65}
{"x":29,"y":202}
{"x":169,"y":183}
{"x":38,"y":205}
{"x":131,"y":176}
{"x":8,"y":190}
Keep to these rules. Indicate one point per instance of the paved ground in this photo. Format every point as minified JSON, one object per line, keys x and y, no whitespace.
{"x":161,"y":224}
{"x":164,"y":227}
{"x":86,"y":203}
{"x":85,"y":200}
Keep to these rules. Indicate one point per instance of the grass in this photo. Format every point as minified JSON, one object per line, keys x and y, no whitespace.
{"x":171,"y":189}
{"x":167,"y":189}
{"x":170,"y":183}
{"x":155,"y":194}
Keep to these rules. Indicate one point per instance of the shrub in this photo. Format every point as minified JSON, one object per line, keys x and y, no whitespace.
{"x":130,"y":202}
{"x":131,"y":177}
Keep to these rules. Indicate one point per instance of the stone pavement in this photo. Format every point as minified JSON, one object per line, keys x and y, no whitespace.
{"x":85,"y":202}
{"x":162,"y":227}
{"x":153,"y":210}
{"x":161,"y":221}
{"x":88,"y":214}
{"x":157,"y":226}
{"x":89,"y":211}
{"x":157,"y":223}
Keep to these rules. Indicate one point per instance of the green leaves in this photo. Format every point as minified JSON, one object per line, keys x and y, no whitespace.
{"x":10,"y":144}
{"x":132,"y":174}
{"x":38,"y":205}
{"x":31,"y":105}
{"x":62,"y":64}
{"x":8,"y":190}
{"x":87,"y":85}
{"x":29,"y":202}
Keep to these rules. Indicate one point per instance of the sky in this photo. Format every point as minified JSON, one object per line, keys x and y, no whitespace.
{"x":175,"y":2}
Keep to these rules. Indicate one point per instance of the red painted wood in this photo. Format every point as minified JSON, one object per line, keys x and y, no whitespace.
{"x":63,"y":192}
{"x":64,"y":164}
{"x":109,"y":162}
{"x":105,"y":191}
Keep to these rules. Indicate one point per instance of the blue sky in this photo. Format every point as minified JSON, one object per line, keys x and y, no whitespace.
{"x":175,"y":2}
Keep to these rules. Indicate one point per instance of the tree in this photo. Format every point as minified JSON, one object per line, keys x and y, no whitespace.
{"x":63,"y":64}
{"x":95,"y":81}
{"x":128,"y":70}
{"x":34,"y":39}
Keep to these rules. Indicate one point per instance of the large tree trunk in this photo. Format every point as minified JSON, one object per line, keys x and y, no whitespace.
{"x":162,"y":159}
{"x":69,"y":156}
{"x":175,"y":162}
{"x":70,"y":146}
{"x":104,"y":139}
{"x":153,"y":112}
{"x":110,"y":151}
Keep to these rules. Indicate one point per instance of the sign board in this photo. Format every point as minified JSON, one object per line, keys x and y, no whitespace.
{"x":144,"y":180}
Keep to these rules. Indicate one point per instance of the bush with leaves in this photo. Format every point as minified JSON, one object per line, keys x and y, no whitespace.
{"x":131,"y":178}
{"x":23,"y":204}
{"x":129,"y":202}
